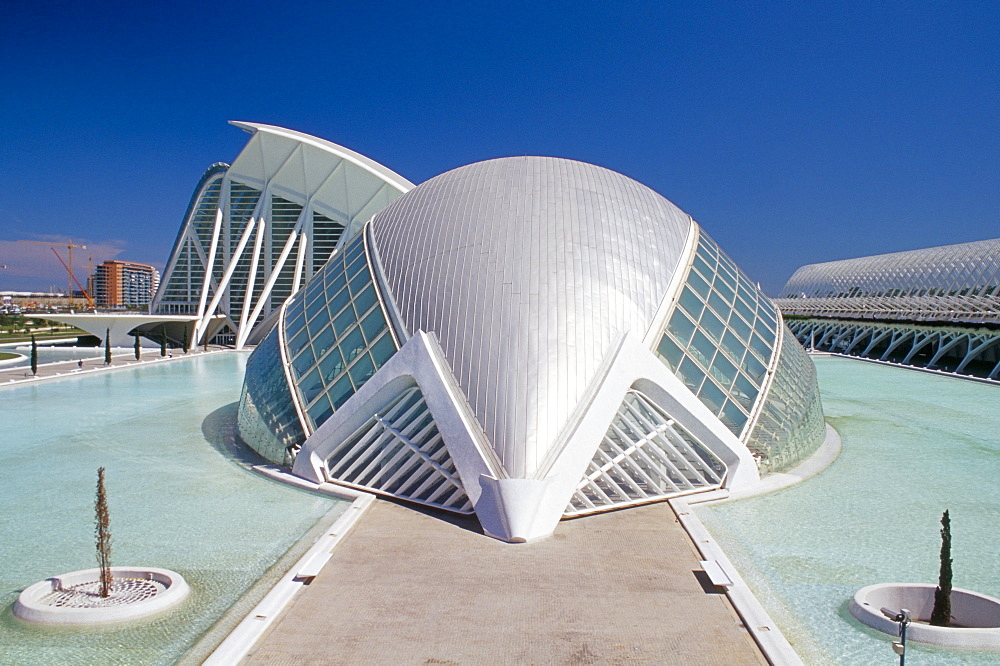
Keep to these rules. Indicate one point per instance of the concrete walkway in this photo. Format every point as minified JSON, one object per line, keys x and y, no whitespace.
{"x":11,"y":376}
{"x":410,"y":588}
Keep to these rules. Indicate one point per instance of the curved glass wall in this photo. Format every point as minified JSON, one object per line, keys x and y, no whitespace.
{"x":790,"y":426}
{"x":267,"y":419}
{"x":336,"y":333}
{"x":720,"y":336}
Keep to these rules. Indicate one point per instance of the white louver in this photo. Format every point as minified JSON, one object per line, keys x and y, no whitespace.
{"x":644,"y":456}
{"x":401,"y":453}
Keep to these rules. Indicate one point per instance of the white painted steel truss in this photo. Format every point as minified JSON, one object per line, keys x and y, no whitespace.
{"x":963,"y":351}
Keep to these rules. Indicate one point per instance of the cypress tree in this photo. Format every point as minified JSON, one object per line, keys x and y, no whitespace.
{"x":107,"y":347}
{"x":136,"y":348}
{"x":186,"y":339}
{"x":102,"y":531}
{"x":163,"y":340}
{"x":34,"y":356}
{"x":941,"y":615}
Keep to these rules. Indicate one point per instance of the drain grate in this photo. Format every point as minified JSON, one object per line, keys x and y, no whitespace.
{"x":88,"y":594}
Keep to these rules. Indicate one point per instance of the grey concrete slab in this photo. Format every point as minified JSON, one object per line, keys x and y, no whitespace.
{"x":410,"y":588}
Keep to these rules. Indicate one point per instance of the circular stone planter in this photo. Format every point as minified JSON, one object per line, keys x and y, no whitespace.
{"x":74,"y":598}
{"x":976,"y":616}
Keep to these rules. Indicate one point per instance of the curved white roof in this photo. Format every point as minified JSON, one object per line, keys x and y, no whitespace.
{"x":528,"y":269}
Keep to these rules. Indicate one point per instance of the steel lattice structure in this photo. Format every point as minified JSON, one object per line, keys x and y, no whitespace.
{"x":951,"y":283}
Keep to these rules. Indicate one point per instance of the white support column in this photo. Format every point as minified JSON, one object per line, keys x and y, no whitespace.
{"x":227,"y":276}
{"x":975,"y":350}
{"x":244,"y":332}
{"x":213,"y":248}
{"x":258,"y":242}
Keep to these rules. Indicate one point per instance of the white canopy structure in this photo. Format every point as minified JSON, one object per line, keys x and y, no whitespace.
{"x":257,"y":230}
{"x":934,"y":308}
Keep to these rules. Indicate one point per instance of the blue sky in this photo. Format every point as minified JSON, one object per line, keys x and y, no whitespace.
{"x":793,"y":132}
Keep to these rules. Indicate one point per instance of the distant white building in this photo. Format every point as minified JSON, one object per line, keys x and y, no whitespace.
{"x":935,"y":308}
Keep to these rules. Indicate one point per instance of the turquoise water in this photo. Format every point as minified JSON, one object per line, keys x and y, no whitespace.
{"x":913,"y":445}
{"x":178,"y":499}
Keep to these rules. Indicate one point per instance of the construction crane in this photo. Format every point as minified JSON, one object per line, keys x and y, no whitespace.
{"x":90,"y":301}
{"x":69,"y":246}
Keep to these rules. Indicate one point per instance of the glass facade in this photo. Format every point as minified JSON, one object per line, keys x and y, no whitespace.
{"x":790,"y":426}
{"x":720,"y":336}
{"x":336,"y":333}
{"x":267,"y":419}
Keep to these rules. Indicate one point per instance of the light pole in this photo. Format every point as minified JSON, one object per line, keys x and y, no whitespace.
{"x":902,"y":616}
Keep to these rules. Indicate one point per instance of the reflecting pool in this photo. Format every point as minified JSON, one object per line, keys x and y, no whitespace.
{"x":178,"y":499}
{"x":914,"y":444}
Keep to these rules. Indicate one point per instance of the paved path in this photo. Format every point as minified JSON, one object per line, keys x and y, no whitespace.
{"x":21,"y":374}
{"x":410,"y":588}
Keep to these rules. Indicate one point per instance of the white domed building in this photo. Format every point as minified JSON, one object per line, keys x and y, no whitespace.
{"x":528,"y":339}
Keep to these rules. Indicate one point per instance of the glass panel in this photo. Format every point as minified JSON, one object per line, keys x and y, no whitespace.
{"x":315,"y":306}
{"x":733,"y":417}
{"x":723,"y":370}
{"x":760,"y":347}
{"x":691,"y":303}
{"x":321,"y":411}
{"x":744,"y":392}
{"x":697,"y":283}
{"x":712,"y":396}
{"x":745,"y":310}
{"x":691,"y":374}
{"x":362,"y":369}
{"x":311,"y":386}
{"x":725,"y":291}
{"x":335,"y":279}
{"x":765,"y":329}
{"x":719,"y":305}
{"x":712,"y":325}
{"x":303,"y":362}
{"x":297,"y":342}
{"x":732,"y":345}
{"x":681,"y":327}
{"x":332,"y":366}
{"x":341,"y":391}
{"x":344,"y":321}
{"x":754,"y":368}
{"x":352,"y":345}
{"x":338,"y":302}
{"x":364,"y":301}
{"x":670,"y":352}
{"x":740,"y":327}
{"x":373,"y":324}
{"x":383,"y":350}
{"x":359,"y":282}
{"x":323,"y":341}
{"x":702,"y":348}
{"x":354,"y":249}
{"x":702,"y":267}
{"x":356,"y":265}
